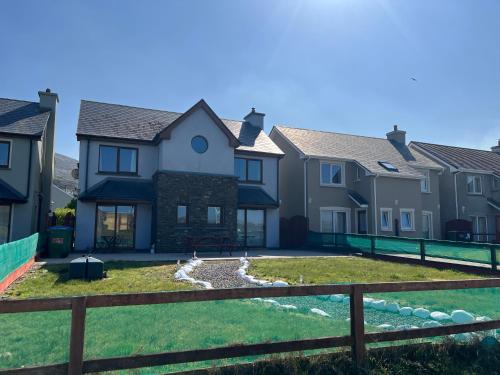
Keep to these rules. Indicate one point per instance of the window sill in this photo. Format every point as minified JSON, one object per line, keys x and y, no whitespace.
{"x":385,"y":230}
{"x":5,"y":168}
{"x":333,"y":185}
{"x":118,"y":174}
{"x":425,"y":192}
{"x":246,"y":182}
{"x":407,"y":230}
{"x":475,"y":194}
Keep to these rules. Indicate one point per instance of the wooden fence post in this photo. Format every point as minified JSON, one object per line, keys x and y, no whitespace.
{"x":493,"y":258}
{"x":357,"y":325}
{"x":78,"y":312}
{"x":372,"y":244}
{"x":422,"y":250}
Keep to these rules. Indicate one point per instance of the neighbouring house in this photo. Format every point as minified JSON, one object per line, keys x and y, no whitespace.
{"x":153,"y":177}
{"x":355,"y":184}
{"x":470,"y":187}
{"x":59,"y":198}
{"x":26,"y":164}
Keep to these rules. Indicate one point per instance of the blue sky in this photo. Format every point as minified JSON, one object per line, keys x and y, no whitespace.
{"x":334,"y":65}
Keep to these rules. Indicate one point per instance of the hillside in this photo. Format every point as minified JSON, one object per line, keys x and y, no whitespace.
{"x":63,"y":165}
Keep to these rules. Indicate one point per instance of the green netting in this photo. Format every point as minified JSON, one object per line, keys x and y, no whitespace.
{"x":397,"y":245}
{"x":14,"y":254}
{"x":360,"y":242}
{"x":473,"y":252}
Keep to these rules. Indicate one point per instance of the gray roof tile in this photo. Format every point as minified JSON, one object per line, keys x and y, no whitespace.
{"x":22,"y":117}
{"x":142,"y":124}
{"x":367,"y":151}
{"x":464,"y":158}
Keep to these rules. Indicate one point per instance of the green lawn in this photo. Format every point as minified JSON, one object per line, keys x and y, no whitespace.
{"x":122,"y":277}
{"x":356,"y":269}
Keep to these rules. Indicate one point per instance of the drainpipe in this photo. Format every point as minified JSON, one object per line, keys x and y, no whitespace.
{"x":306,"y":159}
{"x":456,"y":194}
{"x":28,"y":184}
{"x":375,"y":203}
{"x":87,"y":164}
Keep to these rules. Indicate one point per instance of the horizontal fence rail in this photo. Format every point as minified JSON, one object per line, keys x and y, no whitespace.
{"x":357,"y":340}
{"x":471,"y":252}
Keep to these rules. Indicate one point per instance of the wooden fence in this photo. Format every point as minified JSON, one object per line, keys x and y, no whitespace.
{"x":357,"y":340}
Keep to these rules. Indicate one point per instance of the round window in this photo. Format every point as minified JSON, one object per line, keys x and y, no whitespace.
{"x":199,"y":144}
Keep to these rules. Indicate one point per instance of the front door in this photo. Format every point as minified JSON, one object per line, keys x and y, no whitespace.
{"x":251,"y":227}
{"x":362,"y":222}
{"x":497,"y":226}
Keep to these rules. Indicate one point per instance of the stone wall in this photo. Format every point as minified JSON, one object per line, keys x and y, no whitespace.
{"x":197,"y":191}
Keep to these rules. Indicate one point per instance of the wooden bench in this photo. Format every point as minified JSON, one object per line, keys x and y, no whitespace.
{"x":193,"y":244}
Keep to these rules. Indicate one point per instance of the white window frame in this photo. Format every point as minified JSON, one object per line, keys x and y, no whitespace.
{"x":431,"y":222}
{"x":342,"y":173}
{"x":425,"y":183}
{"x":411,"y":211}
{"x":347,"y":211}
{"x":389,"y":227}
{"x":495,"y":183}
{"x":474,"y":185}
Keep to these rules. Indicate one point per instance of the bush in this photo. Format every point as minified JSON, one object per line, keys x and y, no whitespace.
{"x":60,"y":214}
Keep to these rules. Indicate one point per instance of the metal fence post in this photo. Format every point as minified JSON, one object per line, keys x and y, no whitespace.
{"x":78,"y":312}
{"x":422,"y":250}
{"x":357,"y":325}
{"x":493,"y":257}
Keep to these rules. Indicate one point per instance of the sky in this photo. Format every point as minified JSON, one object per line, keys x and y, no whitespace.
{"x":335,"y":65}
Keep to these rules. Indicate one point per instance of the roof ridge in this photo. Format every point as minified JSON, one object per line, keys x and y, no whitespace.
{"x":330,"y":132}
{"x":465,"y":148}
{"x":19,"y":100}
{"x":148,"y":109}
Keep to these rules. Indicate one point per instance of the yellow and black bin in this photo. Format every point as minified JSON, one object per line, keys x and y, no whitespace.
{"x":60,"y":240}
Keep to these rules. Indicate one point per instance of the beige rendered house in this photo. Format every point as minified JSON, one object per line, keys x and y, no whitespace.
{"x":347,"y":183}
{"x":470,"y":187}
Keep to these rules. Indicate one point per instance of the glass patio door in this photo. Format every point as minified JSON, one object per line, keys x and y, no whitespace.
{"x":251,"y":227}
{"x":479,"y":228}
{"x":115,"y":227}
{"x":333,"y":221}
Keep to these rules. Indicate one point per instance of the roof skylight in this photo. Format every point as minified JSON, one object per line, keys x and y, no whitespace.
{"x":390,"y":167}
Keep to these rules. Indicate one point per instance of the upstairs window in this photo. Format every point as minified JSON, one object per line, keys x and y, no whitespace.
{"x":425,"y":183}
{"x":248,"y":170}
{"x":114,"y":159}
{"x":495,"y":183}
{"x":332,"y":174}
{"x":4,"y":154}
{"x":474,"y":185}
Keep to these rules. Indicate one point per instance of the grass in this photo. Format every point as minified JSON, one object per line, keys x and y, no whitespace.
{"x":346,"y":270}
{"x":355,"y":269}
{"x":155,"y":328}
{"x":122,"y":277}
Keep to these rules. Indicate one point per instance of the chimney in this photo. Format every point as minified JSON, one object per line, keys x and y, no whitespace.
{"x":48,"y":100}
{"x":398,"y":136}
{"x":255,"y":118}
{"x":496,"y":148}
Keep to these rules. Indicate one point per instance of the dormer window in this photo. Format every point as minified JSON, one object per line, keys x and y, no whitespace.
{"x":114,"y":159}
{"x":4,"y":154}
{"x":389,"y":166}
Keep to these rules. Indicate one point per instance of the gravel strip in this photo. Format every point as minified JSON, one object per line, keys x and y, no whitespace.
{"x":28,"y":275}
{"x":220,"y":274}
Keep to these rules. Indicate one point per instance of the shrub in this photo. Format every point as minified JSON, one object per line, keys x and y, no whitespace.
{"x":60,"y":214}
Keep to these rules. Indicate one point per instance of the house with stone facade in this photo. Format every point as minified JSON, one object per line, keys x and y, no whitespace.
{"x":153,"y":178}
{"x":346,"y":183}
{"x":26,"y":164}
{"x":470,"y":187}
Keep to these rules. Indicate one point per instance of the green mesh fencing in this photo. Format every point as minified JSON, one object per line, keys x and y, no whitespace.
{"x":469,"y":252}
{"x":14,"y":254}
{"x":461,"y":251}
